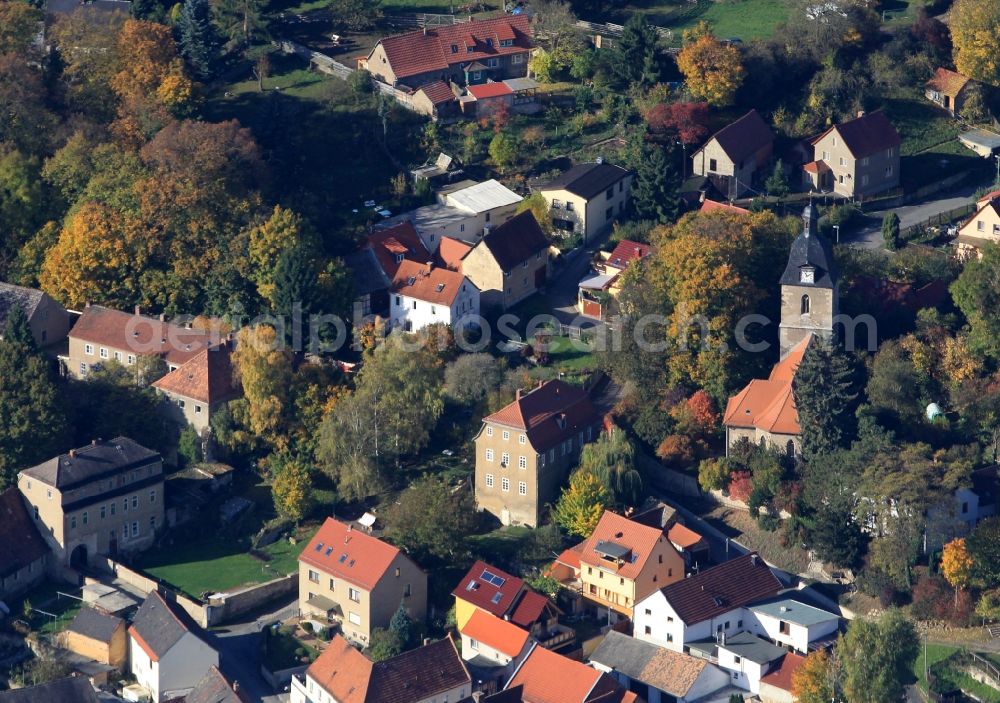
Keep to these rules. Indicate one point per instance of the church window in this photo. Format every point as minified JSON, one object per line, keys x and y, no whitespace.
{"x":805,"y":304}
{"x":790,"y":449}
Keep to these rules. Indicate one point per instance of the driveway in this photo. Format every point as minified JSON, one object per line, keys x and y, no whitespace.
{"x":870,"y":237}
{"x":239,"y":647}
{"x":561,"y":294}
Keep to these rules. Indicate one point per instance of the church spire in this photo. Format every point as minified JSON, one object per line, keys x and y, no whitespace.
{"x":809,"y":219}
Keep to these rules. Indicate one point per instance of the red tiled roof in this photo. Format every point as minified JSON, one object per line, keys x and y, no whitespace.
{"x":628,"y":251}
{"x":342,"y":671}
{"x":351,"y":555}
{"x":430,"y":49}
{"x":718,"y":590}
{"x":985,"y":199}
{"x":489,"y":90}
{"x":207,"y":377}
{"x":816,"y":167}
{"x":437,"y":92}
{"x":437,"y":285}
{"x":529,"y":609}
{"x":769,"y":404}
{"x":140,"y":335}
{"x":505,"y":637}
{"x":540,"y":411}
{"x":615,"y":529}
{"x":782,"y":676}
{"x":713,"y":206}
{"x":451,"y":252}
{"x":489,"y":588}
{"x":865,"y":135}
{"x":398,"y":240}
{"x":548,"y":677}
{"x":947,"y":82}
{"x":684,"y":537}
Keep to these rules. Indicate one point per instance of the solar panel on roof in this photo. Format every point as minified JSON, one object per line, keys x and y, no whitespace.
{"x":497,"y":597}
{"x":490,"y":577}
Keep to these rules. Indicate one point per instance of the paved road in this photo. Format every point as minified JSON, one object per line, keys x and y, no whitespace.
{"x":870,"y":237}
{"x":561,"y":294}
{"x":239,"y":651}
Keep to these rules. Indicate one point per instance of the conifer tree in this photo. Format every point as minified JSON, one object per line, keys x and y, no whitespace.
{"x":18,"y":331}
{"x":656,"y":188}
{"x":825,"y":396}
{"x":196,"y":37}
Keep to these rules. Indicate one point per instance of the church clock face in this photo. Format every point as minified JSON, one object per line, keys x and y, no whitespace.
{"x":806,"y":275}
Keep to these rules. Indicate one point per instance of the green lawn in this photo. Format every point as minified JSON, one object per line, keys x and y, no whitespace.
{"x":730,"y":19}
{"x":214,"y":563}
{"x":283,"y":651}
{"x":571,"y":355}
{"x":920,"y":125}
{"x":948,"y":676}
{"x":935,"y":654}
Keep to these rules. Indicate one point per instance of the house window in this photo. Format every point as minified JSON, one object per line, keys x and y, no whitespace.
{"x":313,"y":576}
{"x":670,"y":637}
{"x":489,"y":455}
{"x":980,"y":225}
{"x":609,"y":213}
{"x":197,"y":410}
{"x":504,"y":484}
{"x":454,"y":48}
{"x":474,"y":644}
{"x":135,"y":529}
{"x":180,"y":404}
{"x":354,"y":594}
{"x":783,"y":627}
{"x":131,"y":359}
{"x":888,"y":171}
{"x":88,"y":349}
{"x":556,"y":204}
{"x":504,"y":459}
{"x":841,"y":160}
{"x":135,"y":502}
{"x":889,"y":153}
{"x":354,"y":618}
{"x":398,"y":301}
{"x":517,"y":58}
{"x":477,"y":76}
{"x":805,"y":305}
{"x":414,"y":304}
{"x":522,"y":488}
{"x":648,"y":630}
{"x":86,"y":517}
{"x":104,"y":353}
{"x":864,"y":180}
{"x":552,"y":455}
{"x":152,"y":496}
{"x":433,"y":310}
{"x":489,"y":480}
{"x":489,"y":431}
{"x":83,"y":369}
{"x":72,"y":522}
{"x":104,"y":511}
{"x":569,"y":207}
{"x":965,"y":508}
{"x":712,"y":165}
{"x":506,"y":435}
{"x":494,"y":63}
{"x":125,"y":505}
{"x":521,"y":439}
{"x":522,"y":462}
{"x":864,"y":161}
{"x":112,"y":508}
{"x":152,"y":523}
{"x":407,"y":591}
{"x":610,"y":193}
{"x":118,"y":357}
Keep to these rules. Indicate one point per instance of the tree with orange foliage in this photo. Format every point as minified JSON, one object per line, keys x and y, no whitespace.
{"x":712,"y":70}
{"x":740,"y":486}
{"x":676,"y":449}
{"x":956,"y":565}
{"x":811,"y":682}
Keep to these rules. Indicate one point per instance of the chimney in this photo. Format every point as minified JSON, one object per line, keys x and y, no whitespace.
{"x":163,"y":317}
{"x":517,"y":394}
{"x":430,"y":266}
{"x":350,"y":527}
{"x":425,"y":30}
{"x":753,"y":559}
{"x":93,"y":442}
{"x":427,"y":641}
{"x":72,"y":454}
{"x":138,"y":310}
{"x":236,"y":686}
{"x":861,"y":113}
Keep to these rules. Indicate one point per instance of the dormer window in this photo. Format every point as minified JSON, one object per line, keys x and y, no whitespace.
{"x":807,"y":274}
{"x":489,"y":43}
{"x":399,"y":258}
{"x":454,"y":48}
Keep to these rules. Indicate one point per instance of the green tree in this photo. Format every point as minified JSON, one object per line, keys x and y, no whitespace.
{"x":656,"y":188}
{"x":978,"y":297}
{"x":402,"y":624}
{"x":384,"y":644}
{"x":890,"y":231}
{"x":472,"y":377}
{"x":241,"y":21}
{"x":777,"y":183}
{"x":18,"y":332}
{"x":539,"y":208}
{"x":34,"y":418}
{"x":360,"y":83}
{"x":503,"y":151}
{"x":983,"y":545}
{"x":431,"y":521}
{"x":189,"y":446}
{"x":356,"y":15}
{"x":714,"y":474}
{"x":291,"y":488}
{"x":295,"y":283}
{"x":637,"y":59}
{"x":877,"y":657}
{"x":825,"y":395}
{"x":197,"y":39}
{"x":18,"y":27}
{"x":612,"y":459}
{"x":836,"y":537}
{"x":582,"y":503}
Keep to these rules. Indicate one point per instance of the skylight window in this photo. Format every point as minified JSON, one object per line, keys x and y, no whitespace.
{"x":472,"y":585}
{"x":319,"y":547}
{"x":497,"y":597}
{"x":343,"y":558}
{"x":329,"y":551}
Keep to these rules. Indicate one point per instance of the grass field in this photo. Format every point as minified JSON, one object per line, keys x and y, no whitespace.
{"x":730,"y":19}
{"x":950,"y":676}
{"x":215,"y":563}
{"x":935,"y":654}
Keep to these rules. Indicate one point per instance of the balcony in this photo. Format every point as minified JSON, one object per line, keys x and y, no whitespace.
{"x":555,"y":636}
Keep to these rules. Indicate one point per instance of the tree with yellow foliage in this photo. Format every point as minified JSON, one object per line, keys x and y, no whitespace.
{"x":712,"y":70}
{"x":263,"y":365}
{"x":812,"y":681}
{"x":975,"y":25}
{"x":290,"y":488}
{"x":582,"y":503}
{"x":956,"y":565}
{"x":282,"y":231}
{"x":100,"y":257}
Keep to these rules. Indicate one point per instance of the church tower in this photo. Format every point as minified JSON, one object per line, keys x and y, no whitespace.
{"x":809,"y":287}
